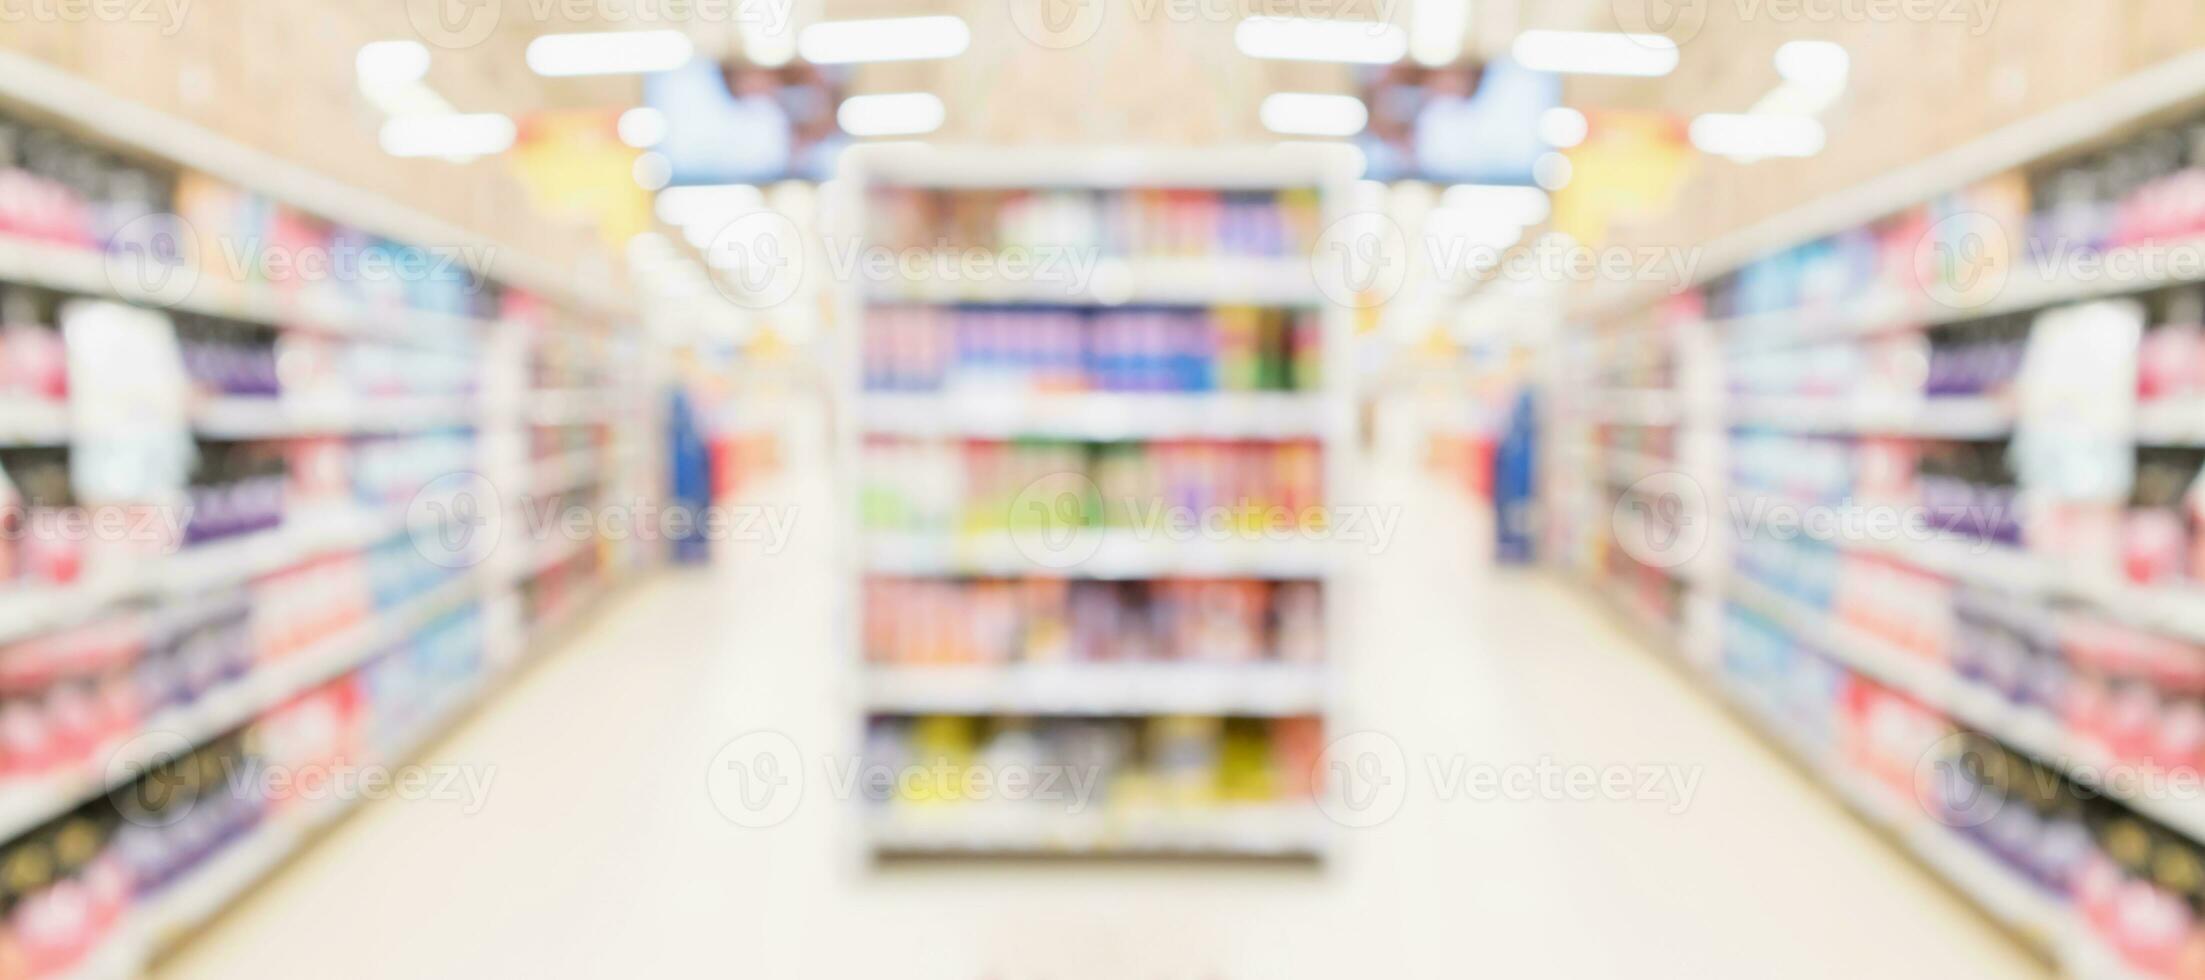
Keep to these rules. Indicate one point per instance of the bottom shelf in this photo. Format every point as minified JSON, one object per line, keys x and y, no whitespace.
{"x":196,"y":899}
{"x":2028,"y":912}
{"x":1255,"y":830}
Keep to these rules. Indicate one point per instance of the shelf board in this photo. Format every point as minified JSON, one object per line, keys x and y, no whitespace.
{"x":1927,"y":418}
{"x":1097,"y":416}
{"x":1042,"y":829}
{"x":77,"y":271}
{"x":2031,"y":731}
{"x":1114,"y":556}
{"x":1263,"y":689}
{"x":32,"y":610}
{"x":1222,"y":281}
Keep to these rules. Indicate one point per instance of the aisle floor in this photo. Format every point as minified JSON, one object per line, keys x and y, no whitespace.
{"x":598,"y":852}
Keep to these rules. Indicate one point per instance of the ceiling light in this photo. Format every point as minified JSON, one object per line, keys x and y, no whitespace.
{"x":1594,"y":53}
{"x":1757,"y":135}
{"x":1816,"y":63}
{"x":609,"y":53}
{"x":391,"y":63}
{"x":840,"y":42}
{"x":1562,"y":127}
{"x":899,"y":114}
{"x":456,"y":135}
{"x":706,"y":204}
{"x":1361,"y":42}
{"x":1507,"y":204}
{"x":1436,"y":29}
{"x":642,"y":127}
{"x":1311,"y":114}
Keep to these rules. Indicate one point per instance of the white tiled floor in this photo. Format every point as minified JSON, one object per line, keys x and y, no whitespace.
{"x":599,"y":853}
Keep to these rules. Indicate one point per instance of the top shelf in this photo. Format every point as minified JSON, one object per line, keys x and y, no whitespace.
{"x":79,"y":272}
{"x":2031,"y":287}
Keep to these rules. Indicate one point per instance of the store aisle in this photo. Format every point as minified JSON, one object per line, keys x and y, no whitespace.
{"x":598,"y":850}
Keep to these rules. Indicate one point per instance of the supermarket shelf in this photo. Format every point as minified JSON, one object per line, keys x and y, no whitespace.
{"x":83,"y":272}
{"x":29,"y":611}
{"x":245,"y":862}
{"x":30,"y":802}
{"x":1041,"y":829}
{"x":1115,"y":555}
{"x":2009,"y":897}
{"x":1196,"y":281}
{"x":2104,"y":112}
{"x":1244,"y":689}
{"x":27,"y":81}
{"x":2171,"y":611}
{"x":27,"y":422}
{"x":276,"y":418}
{"x":1931,"y":418}
{"x":1097,"y":416}
{"x":2030,"y":287}
{"x":2033,"y":732}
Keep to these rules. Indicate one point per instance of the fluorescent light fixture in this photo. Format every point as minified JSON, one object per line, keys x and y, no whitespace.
{"x":707,"y":204}
{"x":391,"y":63}
{"x":1562,"y":127}
{"x":1359,"y":42}
{"x":609,"y":53}
{"x":899,"y":114}
{"x":1755,"y":135}
{"x":1311,"y":114}
{"x":1815,"y":63}
{"x":842,"y":42}
{"x":642,"y":127}
{"x":1596,"y":53}
{"x":455,"y":135}
{"x":1436,"y":29}
{"x":1507,"y":204}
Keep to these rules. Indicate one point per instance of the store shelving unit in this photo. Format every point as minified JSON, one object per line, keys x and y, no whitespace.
{"x":526,"y":380}
{"x":1656,"y":360}
{"x":1290,"y":828}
